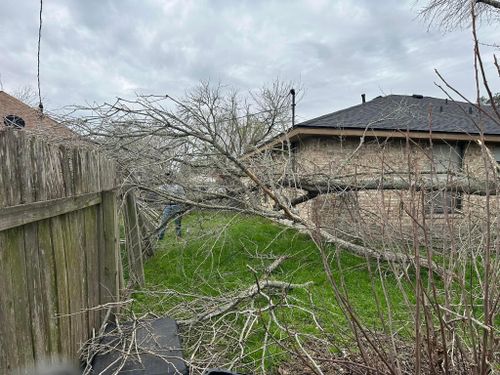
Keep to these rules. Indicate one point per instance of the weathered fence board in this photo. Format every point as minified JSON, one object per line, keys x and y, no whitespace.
{"x":133,"y":241}
{"x":59,"y":255}
{"x":8,"y":344}
{"x":110,"y":260}
{"x":22,"y":214}
{"x":62,"y":290}
{"x":91,"y":244}
{"x":49,"y":283}
{"x":15,"y":263}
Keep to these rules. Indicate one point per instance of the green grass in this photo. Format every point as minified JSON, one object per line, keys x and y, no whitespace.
{"x":217,"y":248}
{"x":218,"y":252}
{"x":214,"y":257}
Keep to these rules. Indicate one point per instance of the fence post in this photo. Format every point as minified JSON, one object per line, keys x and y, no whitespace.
{"x":133,"y":240}
{"x":110,"y":250}
{"x":146,"y":230}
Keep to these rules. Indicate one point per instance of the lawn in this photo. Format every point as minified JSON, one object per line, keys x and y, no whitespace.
{"x":218,"y":252}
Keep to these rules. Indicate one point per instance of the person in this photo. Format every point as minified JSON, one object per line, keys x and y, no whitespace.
{"x":172,"y":209}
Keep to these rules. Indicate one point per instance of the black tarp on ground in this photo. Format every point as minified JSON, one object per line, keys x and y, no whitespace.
{"x":216,"y":371}
{"x":156,"y":349}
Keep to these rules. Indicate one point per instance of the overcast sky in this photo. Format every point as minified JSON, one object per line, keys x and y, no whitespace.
{"x":95,"y":50}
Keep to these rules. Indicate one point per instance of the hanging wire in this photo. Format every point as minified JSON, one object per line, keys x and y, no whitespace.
{"x":40,"y":105}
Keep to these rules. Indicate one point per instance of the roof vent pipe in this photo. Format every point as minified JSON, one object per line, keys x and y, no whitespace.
{"x":363,"y":98}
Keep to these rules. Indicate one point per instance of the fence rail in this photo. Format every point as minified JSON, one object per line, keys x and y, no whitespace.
{"x":59,"y":247}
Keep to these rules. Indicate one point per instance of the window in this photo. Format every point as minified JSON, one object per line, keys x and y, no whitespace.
{"x":440,"y":202}
{"x":14,"y":121}
{"x":446,"y":159}
{"x":496,"y":153}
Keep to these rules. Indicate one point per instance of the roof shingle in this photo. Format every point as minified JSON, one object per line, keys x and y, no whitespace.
{"x":410,"y":113}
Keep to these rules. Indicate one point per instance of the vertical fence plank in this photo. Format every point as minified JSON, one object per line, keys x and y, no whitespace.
{"x":62,"y":292}
{"x":77,"y":223}
{"x":66,"y":166}
{"x":56,"y":225}
{"x":109,"y":256}
{"x":109,"y":250}
{"x":9,"y":164}
{"x":72,"y":265}
{"x":133,"y":241}
{"x":92,"y":266}
{"x":91,"y":232}
{"x":31,"y":155}
{"x":49,"y":285}
{"x":15,"y":253}
{"x":9,"y":358}
{"x":15,"y":261}
{"x":51,"y":187}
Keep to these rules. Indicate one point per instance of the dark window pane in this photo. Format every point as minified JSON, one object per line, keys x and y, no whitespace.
{"x":14,"y":121}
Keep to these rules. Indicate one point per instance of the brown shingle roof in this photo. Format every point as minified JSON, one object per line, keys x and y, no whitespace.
{"x":34,"y":122}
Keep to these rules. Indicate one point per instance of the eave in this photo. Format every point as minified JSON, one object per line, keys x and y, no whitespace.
{"x":298,"y":133}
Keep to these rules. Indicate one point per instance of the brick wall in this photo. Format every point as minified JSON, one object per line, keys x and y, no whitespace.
{"x":31,"y":116}
{"x":373,"y":212}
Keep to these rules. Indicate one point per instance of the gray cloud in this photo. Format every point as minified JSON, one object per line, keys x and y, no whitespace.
{"x":95,"y":50}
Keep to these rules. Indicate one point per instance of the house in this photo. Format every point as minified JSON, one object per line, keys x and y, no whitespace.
{"x":379,"y":149}
{"x":14,"y":114}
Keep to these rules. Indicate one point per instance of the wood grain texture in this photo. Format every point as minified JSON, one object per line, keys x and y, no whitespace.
{"x":133,"y":241}
{"x":14,"y":216}
{"x":58,"y":247}
{"x":110,"y":259}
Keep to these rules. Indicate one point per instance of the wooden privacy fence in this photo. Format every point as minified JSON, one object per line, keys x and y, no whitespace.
{"x":140,"y":238}
{"x":59,"y":247}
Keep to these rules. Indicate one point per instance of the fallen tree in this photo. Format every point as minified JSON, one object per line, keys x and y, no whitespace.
{"x":372,"y":253}
{"x":200,"y":144}
{"x":261,"y":285}
{"x":323,"y":184}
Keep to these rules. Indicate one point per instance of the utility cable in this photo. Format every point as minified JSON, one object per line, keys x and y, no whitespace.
{"x":40,"y":105}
